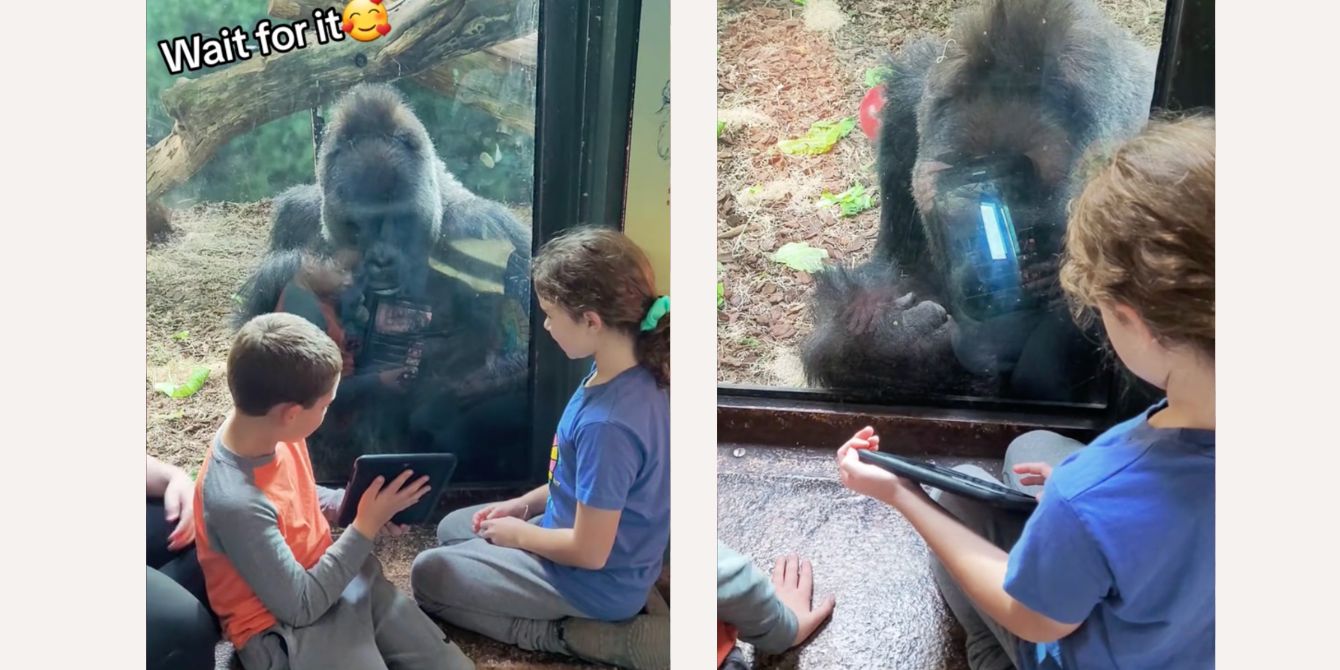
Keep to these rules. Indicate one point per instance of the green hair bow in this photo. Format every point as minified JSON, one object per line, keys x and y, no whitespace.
{"x":658,"y":309}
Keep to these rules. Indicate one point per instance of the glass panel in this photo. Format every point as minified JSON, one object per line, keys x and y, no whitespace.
{"x":892,"y":189}
{"x":376,"y":181}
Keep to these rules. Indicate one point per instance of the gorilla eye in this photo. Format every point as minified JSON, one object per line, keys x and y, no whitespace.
{"x":407,"y":140}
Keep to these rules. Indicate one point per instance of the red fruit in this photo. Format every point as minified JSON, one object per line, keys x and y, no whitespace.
{"x":384,"y":28}
{"x":871,"y":104}
{"x":377,"y":2}
{"x":347,"y":26}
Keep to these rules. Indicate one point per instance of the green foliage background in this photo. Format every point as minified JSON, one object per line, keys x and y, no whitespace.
{"x":273,"y":156}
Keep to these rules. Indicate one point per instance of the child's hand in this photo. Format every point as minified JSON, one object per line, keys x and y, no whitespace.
{"x":793,"y":579}
{"x":865,"y":479}
{"x":514,"y":507}
{"x":504,"y":531}
{"x":864,"y":438}
{"x":379,"y":503}
{"x":1033,"y":473}
{"x":179,"y":501}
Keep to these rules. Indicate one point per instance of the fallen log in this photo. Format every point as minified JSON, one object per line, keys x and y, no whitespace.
{"x":522,"y":50}
{"x":499,"y":58}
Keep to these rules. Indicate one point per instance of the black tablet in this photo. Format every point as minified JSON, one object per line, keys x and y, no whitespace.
{"x":953,"y":481}
{"x":438,"y":467}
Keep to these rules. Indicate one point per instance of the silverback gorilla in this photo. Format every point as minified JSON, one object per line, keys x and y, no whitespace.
{"x":436,"y":313}
{"x":980,"y":144}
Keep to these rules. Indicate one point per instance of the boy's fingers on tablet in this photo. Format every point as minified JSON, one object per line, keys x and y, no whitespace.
{"x":375,"y":487}
{"x":416,"y":487}
{"x":399,"y":481}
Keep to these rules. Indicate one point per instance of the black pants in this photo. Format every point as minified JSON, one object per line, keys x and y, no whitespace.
{"x":181,"y":631}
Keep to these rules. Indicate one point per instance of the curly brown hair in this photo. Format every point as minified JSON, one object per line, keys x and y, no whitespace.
{"x":1141,"y":232}
{"x":601,"y":270}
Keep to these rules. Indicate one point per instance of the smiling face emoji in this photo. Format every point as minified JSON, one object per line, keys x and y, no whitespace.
{"x":365,"y":20}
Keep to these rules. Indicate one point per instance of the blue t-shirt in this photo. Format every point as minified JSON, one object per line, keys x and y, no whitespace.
{"x":612,"y":452}
{"x":1123,"y":541}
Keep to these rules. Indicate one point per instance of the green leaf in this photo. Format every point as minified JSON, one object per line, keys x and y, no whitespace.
{"x":799,"y":2}
{"x":820,"y":138}
{"x":181,"y":336}
{"x":800,"y":256}
{"x":187,"y":389}
{"x":721,"y":295}
{"x":751,"y":342}
{"x":852,"y":201}
{"x":876,"y":75}
{"x":721,"y":125}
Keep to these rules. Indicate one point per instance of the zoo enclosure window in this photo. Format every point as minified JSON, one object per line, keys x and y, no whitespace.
{"x":440,"y":327}
{"x":952,"y":302}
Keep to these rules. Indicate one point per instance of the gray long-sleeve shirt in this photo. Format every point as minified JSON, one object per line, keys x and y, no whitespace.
{"x":747,"y":601}
{"x":263,"y":520}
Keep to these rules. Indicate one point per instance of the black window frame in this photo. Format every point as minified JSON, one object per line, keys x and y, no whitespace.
{"x":586,"y":68}
{"x":1184,"y":80}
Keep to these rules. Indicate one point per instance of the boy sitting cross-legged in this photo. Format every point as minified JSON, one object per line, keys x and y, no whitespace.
{"x":287,"y":595}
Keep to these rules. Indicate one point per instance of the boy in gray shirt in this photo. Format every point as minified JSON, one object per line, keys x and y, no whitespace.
{"x":287,"y":594}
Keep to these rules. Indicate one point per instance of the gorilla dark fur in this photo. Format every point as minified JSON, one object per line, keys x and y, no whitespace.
{"x":1034,"y":81}
{"x":382,"y":190}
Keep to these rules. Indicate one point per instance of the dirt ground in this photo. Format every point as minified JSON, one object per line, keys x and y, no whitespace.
{"x":191,"y":279}
{"x":780,"y":68}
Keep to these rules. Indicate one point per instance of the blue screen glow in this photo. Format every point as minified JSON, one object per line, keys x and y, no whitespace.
{"x":991,"y":224}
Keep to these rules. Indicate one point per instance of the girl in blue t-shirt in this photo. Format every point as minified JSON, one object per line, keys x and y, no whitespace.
{"x":1115,"y":567}
{"x":569,"y":567}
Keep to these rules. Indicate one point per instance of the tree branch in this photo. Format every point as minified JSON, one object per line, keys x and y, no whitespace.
{"x":212,"y":109}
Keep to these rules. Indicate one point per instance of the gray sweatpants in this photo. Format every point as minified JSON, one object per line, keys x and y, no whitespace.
{"x":989,"y":645}
{"x":495,"y":591}
{"x":372,"y":626}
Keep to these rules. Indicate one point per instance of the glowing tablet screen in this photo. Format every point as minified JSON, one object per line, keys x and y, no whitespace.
{"x":994,"y":240}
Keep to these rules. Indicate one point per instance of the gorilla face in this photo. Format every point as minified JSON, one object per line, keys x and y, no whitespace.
{"x":378,"y":173}
{"x":990,"y":183}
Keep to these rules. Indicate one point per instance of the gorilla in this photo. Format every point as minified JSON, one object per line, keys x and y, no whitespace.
{"x":439,"y":288}
{"x":980,"y":148}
